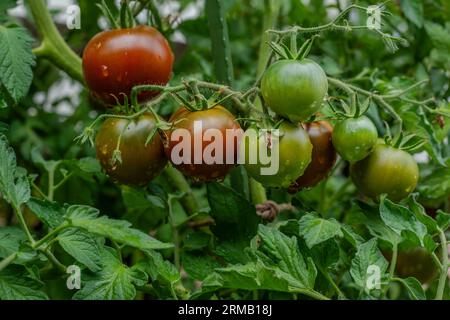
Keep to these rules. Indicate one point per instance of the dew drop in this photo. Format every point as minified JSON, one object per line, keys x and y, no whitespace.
{"x":99,"y":45}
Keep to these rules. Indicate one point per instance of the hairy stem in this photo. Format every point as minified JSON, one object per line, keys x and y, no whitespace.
{"x":178,"y":181}
{"x":444,"y":270}
{"x":53,"y":46}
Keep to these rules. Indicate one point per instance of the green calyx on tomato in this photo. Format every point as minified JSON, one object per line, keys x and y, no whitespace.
{"x":139,"y":161}
{"x":277,"y":161}
{"x":115,"y":61}
{"x":354,"y":138}
{"x":323,"y":156}
{"x":198,"y":145}
{"x":386,"y":170}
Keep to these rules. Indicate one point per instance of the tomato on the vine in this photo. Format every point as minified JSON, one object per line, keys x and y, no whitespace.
{"x":354,"y":138}
{"x":323,"y":156}
{"x":139,"y":162}
{"x":415,"y":262}
{"x":200,"y":146}
{"x":294,"y":89}
{"x":294,"y":154}
{"x":386,"y":170}
{"x":115,"y":61}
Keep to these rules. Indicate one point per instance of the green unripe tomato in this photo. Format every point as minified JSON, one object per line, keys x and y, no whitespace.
{"x":294,"y":89}
{"x":294,"y":155}
{"x":354,"y":138}
{"x":386,"y":170}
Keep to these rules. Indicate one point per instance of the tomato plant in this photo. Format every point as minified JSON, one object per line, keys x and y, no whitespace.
{"x":115,"y":61}
{"x":122,"y":176}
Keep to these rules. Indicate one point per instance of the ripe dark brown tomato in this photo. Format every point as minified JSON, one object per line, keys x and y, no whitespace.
{"x":323,"y":156}
{"x":140,"y":162}
{"x":115,"y":61}
{"x":198,"y":146}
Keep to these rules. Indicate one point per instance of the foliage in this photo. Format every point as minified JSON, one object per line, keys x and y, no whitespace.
{"x":176,"y":238}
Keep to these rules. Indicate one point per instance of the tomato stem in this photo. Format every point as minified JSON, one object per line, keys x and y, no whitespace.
{"x":444,"y":270}
{"x":53,"y":46}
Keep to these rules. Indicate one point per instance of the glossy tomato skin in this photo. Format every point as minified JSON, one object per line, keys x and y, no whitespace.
{"x":215,"y":118}
{"x":140,"y":163}
{"x":386,"y":170}
{"x":354,"y":138}
{"x":294,"y":89}
{"x":115,"y":61}
{"x":323,"y":156}
{"x":295,"y":151}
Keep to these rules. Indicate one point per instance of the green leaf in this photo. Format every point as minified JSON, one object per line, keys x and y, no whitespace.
{"x":16,"y":61}
{"x":316,"y":230}
{"x":115,"y":281}
{"x":421,"y":215}
{"x":82,"y":246}
{"x":251,"y":276}
{"x":51,"y":213}
{"x":11,"y":241}
{"x":196,"y":240}
{"x":147,"y":209}
{"x":14,"y":185}
{"x":400,"y":218}
{"x":435,"y":185}
{"x":413,"y":10}
{"x":438,"y":35}
{"x":368,"y":256}
{"x":434,"y":145}
{"x":283,"y":252}
{"x":328,"y":260}
{"x":160,"y":269}
{"x":118,"y":230}
{"x":443,"y":220}
{"x":413,"y":287}
{"x":351,"y":236}
{"x":235,"y":217}
{"x":199,"y":266}
{"x":17,"y":284}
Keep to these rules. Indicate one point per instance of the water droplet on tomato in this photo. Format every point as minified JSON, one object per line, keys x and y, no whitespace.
{"x":105,"y":72}
{"x":99,"y":45}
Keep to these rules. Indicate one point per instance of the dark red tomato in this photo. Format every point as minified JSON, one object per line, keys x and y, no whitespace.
{"x":210,"y":165}
{"x":323,"y":156}
{"x":117,"y":60}
{"x":140,"y":162}
{"x":416,"y":262}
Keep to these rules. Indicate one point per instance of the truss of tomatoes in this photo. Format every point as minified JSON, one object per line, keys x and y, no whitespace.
{"x":293,"y":88}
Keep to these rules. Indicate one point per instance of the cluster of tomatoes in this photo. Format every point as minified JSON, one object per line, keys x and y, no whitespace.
{"x":294,"y":89}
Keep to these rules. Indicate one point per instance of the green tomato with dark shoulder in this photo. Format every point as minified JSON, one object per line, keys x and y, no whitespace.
{"x":289,"y":154}
{"x":354,"y":138}
{"x":294,"y":89}
{"x":140,"y":162}
{"x":386,"y":170}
